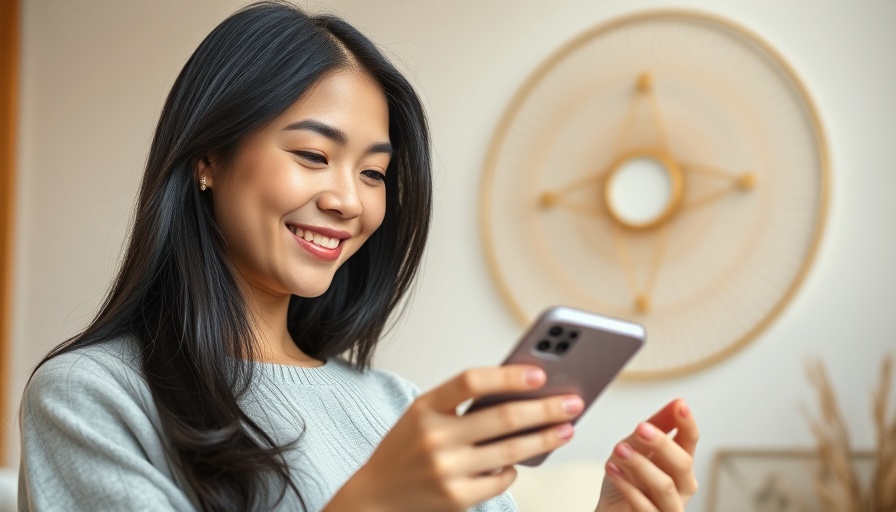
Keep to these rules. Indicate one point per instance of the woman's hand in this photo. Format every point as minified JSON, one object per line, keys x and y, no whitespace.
{"x":433,"y":459}
{"x":652,"y":470}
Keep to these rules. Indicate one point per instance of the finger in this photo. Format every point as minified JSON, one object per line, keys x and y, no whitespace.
{"x":518,"y":448}
{"x":688,"y":434}
{"x":489,"y":485}
{"x":483,"y":381}
{"x":629,"y":491}
{"x":500,"y":420}
{"x":643,"y":473}
{"x":676,"y":415}
{"x":666,"y":418}
{"x":666,"y":454}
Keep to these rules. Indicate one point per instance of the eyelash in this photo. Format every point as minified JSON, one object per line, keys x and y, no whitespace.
{"x":374,"y":175}
{"x":322,"y":160}
{"x":313,"y":157}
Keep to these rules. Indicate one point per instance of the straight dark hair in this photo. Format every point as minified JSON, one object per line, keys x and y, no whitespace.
{"x":175,"y":294}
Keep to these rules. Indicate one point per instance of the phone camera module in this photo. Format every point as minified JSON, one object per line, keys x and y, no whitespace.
{"x":543,"y":346}
{"x":556,"y":330}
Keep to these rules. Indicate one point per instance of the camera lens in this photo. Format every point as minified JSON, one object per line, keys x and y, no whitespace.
{"x":562,"y":347}
{"x":543,"y":345}
{"x":573,"y":335}
{"x":556,"y":330}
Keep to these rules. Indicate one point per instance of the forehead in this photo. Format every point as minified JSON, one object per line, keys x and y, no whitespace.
{"x":346,"y":98}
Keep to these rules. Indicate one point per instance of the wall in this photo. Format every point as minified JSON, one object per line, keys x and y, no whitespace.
{"x":96,"y":72}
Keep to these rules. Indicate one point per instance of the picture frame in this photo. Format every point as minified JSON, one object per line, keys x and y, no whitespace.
{"x":771,"y":480}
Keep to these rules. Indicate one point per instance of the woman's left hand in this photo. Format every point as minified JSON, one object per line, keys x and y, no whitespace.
{"x":652,"y":469}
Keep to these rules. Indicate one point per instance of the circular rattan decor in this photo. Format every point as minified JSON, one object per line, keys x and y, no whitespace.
{"x":667,"y":167}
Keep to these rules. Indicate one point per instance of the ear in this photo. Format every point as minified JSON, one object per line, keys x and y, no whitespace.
{"x":205,"y":169}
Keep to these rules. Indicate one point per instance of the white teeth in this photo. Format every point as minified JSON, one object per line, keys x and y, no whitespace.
{"x":315,"y":238}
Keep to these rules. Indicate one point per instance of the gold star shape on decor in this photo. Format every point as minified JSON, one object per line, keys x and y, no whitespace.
{"x":655,"y":222}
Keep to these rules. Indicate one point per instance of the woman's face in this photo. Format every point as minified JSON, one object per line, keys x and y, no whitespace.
{"x":305,"y":192}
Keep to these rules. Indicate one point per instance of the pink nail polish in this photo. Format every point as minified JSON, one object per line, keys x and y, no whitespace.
{"x":613,"y":469}
{"x":646,"y":431}
{"x":573,"y":405}
{"x":565,"y":431}
{"x":535,"y":376}
{"x":623,"y":450}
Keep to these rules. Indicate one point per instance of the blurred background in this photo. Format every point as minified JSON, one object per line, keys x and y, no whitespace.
{"x":94,"y":74}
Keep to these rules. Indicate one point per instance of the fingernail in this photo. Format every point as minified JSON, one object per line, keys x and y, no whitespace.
{"x":535,"y":376}
{"x":565,"y":431}
{"x":613,"y":469}
{"x":623,"y":450}
{"x":646,"y":431}
{"x":684,"y":410}
{"x":573,"y":405}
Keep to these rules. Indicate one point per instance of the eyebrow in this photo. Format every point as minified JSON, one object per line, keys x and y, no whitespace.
{"x":337,"y":135}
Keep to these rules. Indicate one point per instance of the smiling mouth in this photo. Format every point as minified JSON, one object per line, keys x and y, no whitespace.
{"x":315,"y":238}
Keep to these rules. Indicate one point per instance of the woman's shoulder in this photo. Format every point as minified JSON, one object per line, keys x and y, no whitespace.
{"x":113,"y":359}
{"x":105,"y":372}
{"x":88,"y":414}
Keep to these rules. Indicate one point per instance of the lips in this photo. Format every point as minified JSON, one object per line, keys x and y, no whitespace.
{"x":316,"y":238}
{"x":323,"y":243}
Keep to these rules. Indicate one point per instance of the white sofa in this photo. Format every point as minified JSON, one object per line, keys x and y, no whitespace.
{"x":558,"y":487}
{"x":566,"y":487}
{"x":9,"y":484}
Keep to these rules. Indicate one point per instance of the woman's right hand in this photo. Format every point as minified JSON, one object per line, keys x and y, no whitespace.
{"x":432,"y":458}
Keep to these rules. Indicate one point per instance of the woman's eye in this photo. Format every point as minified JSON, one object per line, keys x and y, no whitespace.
{"x":374,"y":175}
{"x":316,"y":158}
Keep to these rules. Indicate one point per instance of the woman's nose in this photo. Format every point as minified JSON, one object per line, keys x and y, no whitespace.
{"x":341,"y":197}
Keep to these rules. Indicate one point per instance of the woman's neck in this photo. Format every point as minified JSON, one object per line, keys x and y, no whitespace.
{"x":274,"y":344}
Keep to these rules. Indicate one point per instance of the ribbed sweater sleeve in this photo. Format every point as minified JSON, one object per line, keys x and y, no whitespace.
{"x":91,"y":437}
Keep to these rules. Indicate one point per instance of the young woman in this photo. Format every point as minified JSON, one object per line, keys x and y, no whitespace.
{"x":281,"y":219}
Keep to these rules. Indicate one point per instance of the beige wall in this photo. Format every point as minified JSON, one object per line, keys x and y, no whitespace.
{"x":96,"y":72}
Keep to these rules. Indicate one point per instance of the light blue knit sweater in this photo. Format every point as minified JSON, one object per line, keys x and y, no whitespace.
{"x":91,"y":434}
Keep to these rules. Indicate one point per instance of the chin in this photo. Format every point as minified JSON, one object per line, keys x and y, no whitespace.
{"x":311,"y":290}
{"x":305,"y":294}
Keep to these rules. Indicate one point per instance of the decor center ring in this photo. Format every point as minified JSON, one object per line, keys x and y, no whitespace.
{"x":643,"y":189}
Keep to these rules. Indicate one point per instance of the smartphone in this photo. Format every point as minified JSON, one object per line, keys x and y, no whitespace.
{"x":580,"y":352}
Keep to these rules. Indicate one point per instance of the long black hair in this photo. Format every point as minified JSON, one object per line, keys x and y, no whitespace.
{"x":176,"y":295}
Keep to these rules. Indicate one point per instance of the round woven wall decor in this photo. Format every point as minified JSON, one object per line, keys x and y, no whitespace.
{"x":667,"y":167}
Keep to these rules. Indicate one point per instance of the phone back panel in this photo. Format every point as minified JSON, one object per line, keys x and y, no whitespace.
{"x":581,"y":353}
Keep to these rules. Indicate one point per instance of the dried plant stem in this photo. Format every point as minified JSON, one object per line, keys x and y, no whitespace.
{"x":883,"y":482}
{"x":837,"y":484}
